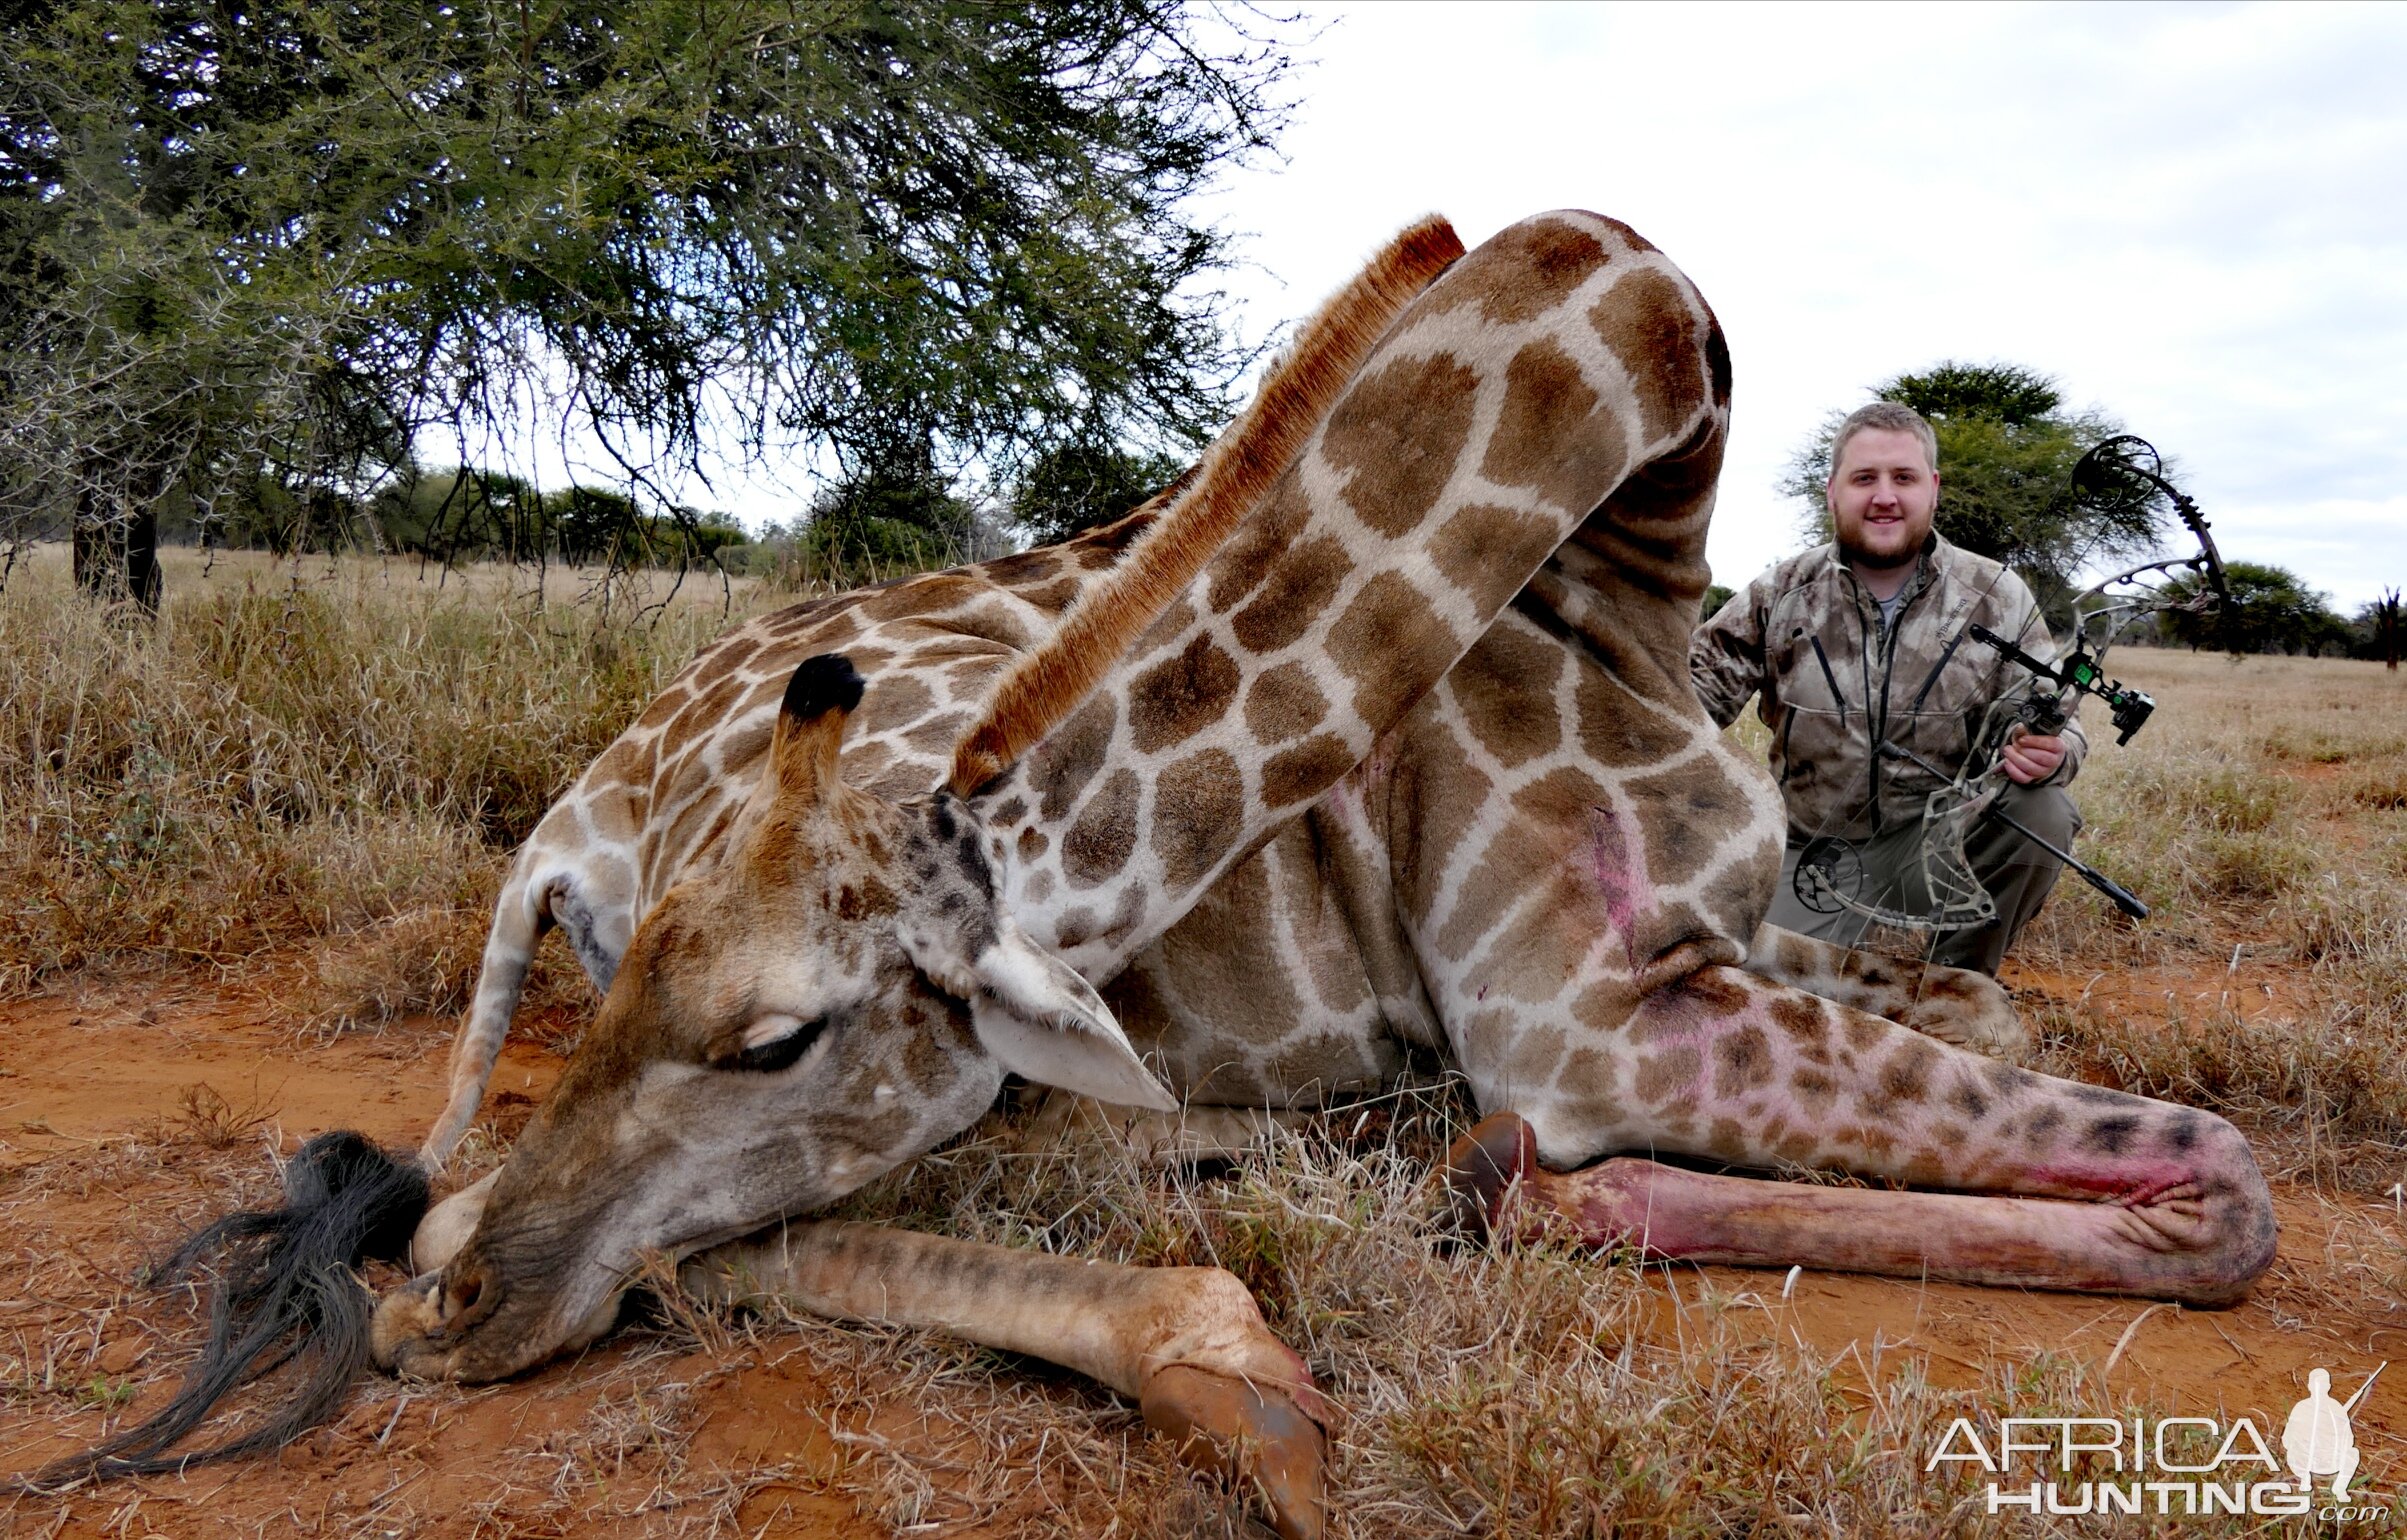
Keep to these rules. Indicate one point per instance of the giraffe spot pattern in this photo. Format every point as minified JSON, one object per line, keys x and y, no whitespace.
{"x":1198,"y":806}
{"x":1098,"y":844}
{"x":1283,"y":703}
{"x":1399,"y":431}
{"x":1178,"y":698}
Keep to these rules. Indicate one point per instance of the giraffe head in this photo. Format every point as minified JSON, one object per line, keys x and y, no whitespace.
{"x":842,"y":994}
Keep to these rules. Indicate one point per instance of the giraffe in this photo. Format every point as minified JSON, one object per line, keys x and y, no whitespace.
{"x":1387,"y":707}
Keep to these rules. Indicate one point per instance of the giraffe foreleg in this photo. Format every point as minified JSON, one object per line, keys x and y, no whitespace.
{"x":2048,"y":1183}
{"x":1188,"y":1344}
{"x":1954,"y":1005}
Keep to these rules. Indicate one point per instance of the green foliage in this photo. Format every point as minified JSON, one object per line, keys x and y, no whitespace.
{"x":276,"y":244}
{"x":2007,"y":444}
{"x":1082,"y":483}
{"x":2271,"y":611}
{"x":1716,"y":595}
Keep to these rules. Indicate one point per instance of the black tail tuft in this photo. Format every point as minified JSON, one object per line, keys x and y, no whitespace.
{"x":285,"y":1291}
{"x":824,"y":682}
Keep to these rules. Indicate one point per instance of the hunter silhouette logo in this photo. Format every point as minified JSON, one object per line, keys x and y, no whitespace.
{"x":2317,"y":1441}
{"x":2176,"y":1467}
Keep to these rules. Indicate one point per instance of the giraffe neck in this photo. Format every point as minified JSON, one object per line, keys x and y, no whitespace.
{"x":1565,"y":373}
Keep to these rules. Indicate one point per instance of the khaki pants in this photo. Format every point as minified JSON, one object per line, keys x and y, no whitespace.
{"x":2017,"y":873}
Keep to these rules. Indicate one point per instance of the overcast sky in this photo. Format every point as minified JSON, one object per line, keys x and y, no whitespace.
{"x":2193,"y":217}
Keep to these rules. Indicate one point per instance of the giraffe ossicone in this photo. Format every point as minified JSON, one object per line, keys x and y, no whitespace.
{"x":1373,"y":736}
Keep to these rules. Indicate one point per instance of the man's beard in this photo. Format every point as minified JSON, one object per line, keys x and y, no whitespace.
{"x":1857,"y":556}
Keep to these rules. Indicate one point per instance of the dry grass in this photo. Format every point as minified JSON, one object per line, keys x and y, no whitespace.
{"x":300,"y":751}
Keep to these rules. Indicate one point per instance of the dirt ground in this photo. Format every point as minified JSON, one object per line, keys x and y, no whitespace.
{"x":128,"y":1116}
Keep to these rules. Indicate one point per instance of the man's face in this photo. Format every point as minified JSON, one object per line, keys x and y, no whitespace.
{"x":1881,"y":495}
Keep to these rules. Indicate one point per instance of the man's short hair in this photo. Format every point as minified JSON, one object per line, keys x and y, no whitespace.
{"x":1889,"y":416}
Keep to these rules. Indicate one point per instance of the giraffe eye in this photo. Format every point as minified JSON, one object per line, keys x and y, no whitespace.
{"x":774,"y":1043}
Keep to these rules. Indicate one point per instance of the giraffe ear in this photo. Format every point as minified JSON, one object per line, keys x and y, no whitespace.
{"x":810,"y":725}
{"x":1042,"y":1021}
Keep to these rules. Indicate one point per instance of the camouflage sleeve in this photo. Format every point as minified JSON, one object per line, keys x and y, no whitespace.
{"x":1725,"y":655}
{"x":2030,"y":628}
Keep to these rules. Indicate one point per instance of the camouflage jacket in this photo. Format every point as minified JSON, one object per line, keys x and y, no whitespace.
{"x":1808,"y":636}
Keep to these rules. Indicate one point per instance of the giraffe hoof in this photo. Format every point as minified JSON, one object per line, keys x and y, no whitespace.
{"x":1250,"y":1433}
{"x":1481,"y":1168}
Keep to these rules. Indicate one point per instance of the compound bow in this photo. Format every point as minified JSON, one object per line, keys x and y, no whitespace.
{"x":1830,"y":875}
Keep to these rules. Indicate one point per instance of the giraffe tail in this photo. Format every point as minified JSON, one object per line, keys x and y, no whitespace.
{"x":519,"y":919}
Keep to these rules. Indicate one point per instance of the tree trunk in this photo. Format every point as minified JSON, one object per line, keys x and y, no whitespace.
{"x":117,"y":555}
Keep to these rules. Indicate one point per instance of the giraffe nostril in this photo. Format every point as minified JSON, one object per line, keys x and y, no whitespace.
{"x":468,"y":1296}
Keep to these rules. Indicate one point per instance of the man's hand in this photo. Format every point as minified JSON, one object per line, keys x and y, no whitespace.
{"x":2030,"y":758}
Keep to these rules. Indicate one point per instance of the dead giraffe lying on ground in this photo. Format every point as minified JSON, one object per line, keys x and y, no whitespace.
{"x":1385,"y":710}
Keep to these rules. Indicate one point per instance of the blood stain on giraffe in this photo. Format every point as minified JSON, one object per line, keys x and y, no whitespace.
{"x":1299,"y":586}
{"x":1392,"y":646}
{"x":1283,"y":703}
{"x":1646,"y":320}
{"x":1098,"y":844}
{"x":1396,"y":436}
{"x":1198,"y":810}
{"x":1181,"y":696}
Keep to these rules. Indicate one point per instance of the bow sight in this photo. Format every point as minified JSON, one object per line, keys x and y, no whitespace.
{"x":1830,"y":873}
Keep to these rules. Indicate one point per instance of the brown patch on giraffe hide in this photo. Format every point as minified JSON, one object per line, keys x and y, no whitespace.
{"x":1684,"y":815}
{"x":1544,"y":438}
{"x":1619,"y":733}
{"x":1305,"y":771}
{"x":699,"y":718}
{"x":1063,"y":764}
{"x":1301,"y":583}
{"x":1646,"y":320}
{"x":1798,"y":1017}
{"x":1283,"y":703}
{"x":1441,"y":798}
{"x":1814,"y":1089}
{"x":724,"y":659}
{"x":1198,"y":808}
{"x":1181,"y":696}
{"x":1528,"y":851}
{"x":1671,"y":1073}
{"x":742,"y":745}
{"x":1075,"y":927}
{"x":923,"y":596}
{"x":1505,"y":688}
{"x":1033,"y":844}
{"x":1255,"y":545}
{"x":1392,"y":646}
{"x":1525,"y":271}
{"x":1483,"y":539}
{"x":1397,"y":437}
{"x":895,"y":700}
{"x":1235,"y":475}
{"x":1055,"y":596}
{"x":1097,"y":845}
{"x":1742,"y":1061}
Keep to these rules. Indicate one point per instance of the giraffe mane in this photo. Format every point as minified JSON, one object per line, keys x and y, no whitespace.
{"x":1298,"y":391}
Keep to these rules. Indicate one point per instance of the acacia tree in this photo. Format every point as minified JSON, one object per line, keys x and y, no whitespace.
{"x":2007,"y":444}
{"x":248,"y":242}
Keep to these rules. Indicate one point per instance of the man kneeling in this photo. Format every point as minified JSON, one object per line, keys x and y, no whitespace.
{"x":1867,"y":639}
